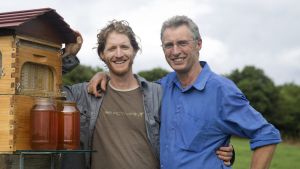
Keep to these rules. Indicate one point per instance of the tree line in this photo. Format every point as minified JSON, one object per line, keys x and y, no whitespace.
{"x":279,"y":104}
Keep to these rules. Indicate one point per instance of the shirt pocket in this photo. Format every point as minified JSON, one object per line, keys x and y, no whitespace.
{"x":191,"y":133}
{"x":84,"y":114}
{"x":84,"y":120}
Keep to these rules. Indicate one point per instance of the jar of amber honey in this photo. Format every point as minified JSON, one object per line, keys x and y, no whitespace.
{"x":44,"y":125}
{"x":68,"y":125}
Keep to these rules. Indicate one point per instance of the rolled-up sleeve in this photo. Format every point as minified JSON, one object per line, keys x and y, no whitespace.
{"x":69,"y":63}
{"x":241,"y":119}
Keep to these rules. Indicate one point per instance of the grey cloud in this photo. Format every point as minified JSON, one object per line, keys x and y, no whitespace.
{"x":257,"y":32}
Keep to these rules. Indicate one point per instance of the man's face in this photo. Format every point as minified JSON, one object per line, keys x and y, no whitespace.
{"x":118,"y":54}
{"x":180,"y":49}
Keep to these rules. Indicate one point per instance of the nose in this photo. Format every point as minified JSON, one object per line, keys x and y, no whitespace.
{"x":119,"y":52}
{"x":176,"y":50}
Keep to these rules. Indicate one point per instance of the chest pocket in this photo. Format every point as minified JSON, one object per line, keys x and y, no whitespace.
{"x":192,"y":133}
{"x":84,"y":121}
{"x":84,"y":114}
{"x":84,"y":118}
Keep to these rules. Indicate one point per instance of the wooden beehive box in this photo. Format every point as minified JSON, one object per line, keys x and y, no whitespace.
{"x":30,"y":66}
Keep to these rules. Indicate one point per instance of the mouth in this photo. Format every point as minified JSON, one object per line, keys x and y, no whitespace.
{"x":119,"y":61}
{"x":178,"y":60}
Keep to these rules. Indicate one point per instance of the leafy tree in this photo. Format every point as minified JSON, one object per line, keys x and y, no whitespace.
{"x":80,"y":74}
{"x":288,"y":112}
{"x":154,"y":74}
{"x":258,"y":88}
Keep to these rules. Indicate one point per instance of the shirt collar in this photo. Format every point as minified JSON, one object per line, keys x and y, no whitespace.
{"x":200,"y":82}
{"x":143,"y":83}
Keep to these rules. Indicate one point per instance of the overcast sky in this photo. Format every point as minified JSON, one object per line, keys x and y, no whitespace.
{"x":235,"y":33}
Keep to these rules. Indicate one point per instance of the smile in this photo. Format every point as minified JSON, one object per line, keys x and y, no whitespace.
{"x":178,"y":60}
{"x":119,"y":62}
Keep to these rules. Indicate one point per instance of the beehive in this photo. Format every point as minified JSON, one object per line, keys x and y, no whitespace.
{"x":30,"y":66}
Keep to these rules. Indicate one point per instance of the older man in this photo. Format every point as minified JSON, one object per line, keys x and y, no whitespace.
{"x":207,"y":108}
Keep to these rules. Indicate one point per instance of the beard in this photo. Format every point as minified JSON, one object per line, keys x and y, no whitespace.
{"x":120,"y":71}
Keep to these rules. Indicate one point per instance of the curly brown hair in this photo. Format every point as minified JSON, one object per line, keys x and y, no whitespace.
{"x":119,"y":27}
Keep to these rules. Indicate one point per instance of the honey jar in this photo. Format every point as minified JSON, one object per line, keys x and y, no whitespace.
{"x":68,"y":125}
{"x":44,"y":125}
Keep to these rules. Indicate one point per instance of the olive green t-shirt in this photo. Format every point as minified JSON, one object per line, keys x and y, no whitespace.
{"x":120,"y":137}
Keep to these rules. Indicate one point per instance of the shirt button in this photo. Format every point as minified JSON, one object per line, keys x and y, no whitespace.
{"x":161,"y":166}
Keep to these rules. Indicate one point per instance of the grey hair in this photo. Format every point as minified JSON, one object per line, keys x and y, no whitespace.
{"x":177,"y":21}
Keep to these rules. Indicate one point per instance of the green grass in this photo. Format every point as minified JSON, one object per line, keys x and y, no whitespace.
{"x":287,"y":156}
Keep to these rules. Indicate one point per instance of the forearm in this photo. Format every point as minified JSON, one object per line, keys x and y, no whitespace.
{"x":262,"y":157}
{"x":69,"y":59}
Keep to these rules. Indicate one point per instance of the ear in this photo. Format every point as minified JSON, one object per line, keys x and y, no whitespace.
{"x":101,"y":56}
{"x":199,"y":44}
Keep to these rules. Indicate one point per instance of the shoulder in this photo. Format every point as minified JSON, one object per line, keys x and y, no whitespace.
{"x":146,"y":85}
{"x":82,"y":87}
{"x":77,"y":91}
{"x":78,"y":86}
{"x":222,"y":84}
{"x":169,"y":78}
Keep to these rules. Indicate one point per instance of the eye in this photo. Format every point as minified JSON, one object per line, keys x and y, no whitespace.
{"x":112,"y":48}
{"x":125,"y":47}
{"x":182,"y":43}
{"x":168,"y":45}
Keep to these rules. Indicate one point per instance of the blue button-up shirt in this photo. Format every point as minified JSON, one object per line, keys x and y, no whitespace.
{"x":198,"y":119}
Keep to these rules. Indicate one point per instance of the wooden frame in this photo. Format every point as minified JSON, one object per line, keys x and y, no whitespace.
{"x":15,"y":106}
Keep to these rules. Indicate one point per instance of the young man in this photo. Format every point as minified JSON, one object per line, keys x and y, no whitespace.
{"x":123,"y":125}
{"x":201,"y":110}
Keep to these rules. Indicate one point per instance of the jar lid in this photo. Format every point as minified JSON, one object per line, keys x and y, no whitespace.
{"x":43,"y":101}
{"x":68,"y":102}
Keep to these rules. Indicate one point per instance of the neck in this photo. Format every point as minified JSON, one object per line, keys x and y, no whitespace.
{"x":189,"y":77}
{"x":124,"y":82}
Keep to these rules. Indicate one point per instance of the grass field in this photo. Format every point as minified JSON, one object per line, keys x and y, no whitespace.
{"x":287,"y":156}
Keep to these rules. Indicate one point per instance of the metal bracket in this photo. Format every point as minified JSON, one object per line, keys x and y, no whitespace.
{"x":22,"y":157}
{"x":19,"y":87}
